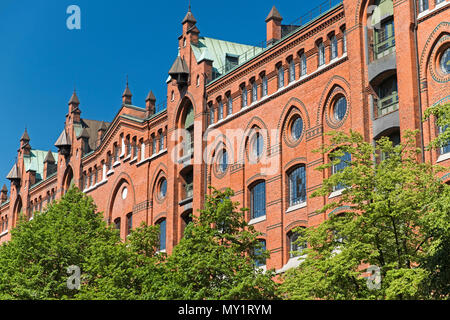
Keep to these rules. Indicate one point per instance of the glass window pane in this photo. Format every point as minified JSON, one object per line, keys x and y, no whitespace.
{"x":340,"y":109}
{"x":162,"y":235}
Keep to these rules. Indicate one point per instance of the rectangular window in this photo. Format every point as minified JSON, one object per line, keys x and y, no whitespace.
{"x":162,"y":235}
{"x":387,"y":96}
{"x":384,"y":39}
{"x":258,"y":200}
{"x":117,"y":224}
{"x":445,"y":149}
{"x":344,"y":42}
{"x":297,"y":186}
{"x":344,"y":162}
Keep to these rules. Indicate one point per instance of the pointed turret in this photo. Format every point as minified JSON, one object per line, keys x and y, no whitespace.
{"x":49,"y":165}
{"x":179,"y":71}
{"x":273,"y":26}
{"x":189,"y":18}
{"x":14,"y":175}
{"x":63,"y":143}
{"x":49,"y":158}
{"x":25,"y":137}
{"x":150,"y":104}
{"x":126,"y":96}
{"x":4,"y":194}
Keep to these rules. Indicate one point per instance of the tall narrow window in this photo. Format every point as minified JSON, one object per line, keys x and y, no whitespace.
{"x":387,"y":96}
{"x":117,"y":224}
{"x":334,"y":51}
{"x":229,"y":105}
{"x":223,"y":161}
{"x":344,"y":41}
{"x":244,"y":96}
{"x":259,"y":262}
{"x":162,"y":235}
{"x":280,"y":77}
{"x":297,"y":186}
{"x":129,"y":222}
{"x":264,"y":86}
{"x":258,"y":200}
{"x":343,"y":163}
{"x":291,"y":71}
{"x":423,"y":5}
{"x":304,"y":69}
{"x":211,"y":114}
{"x":257,"y":145}
{"x":445,"y":149}
{"x":321,"y":48}
{"x":220,"y":110}
{"x":340,"y":109}
{"x":154,"y":143}
{"x":296,"y":248}
{"x":254,"y":91}
{"x":161,"y":141}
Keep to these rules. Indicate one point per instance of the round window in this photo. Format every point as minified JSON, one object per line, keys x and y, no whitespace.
{"x":297,"y":128}
{"x":340,"y":109}
{"x":445,"y":61}
{"x":163,"y":188}
{"x":124,"y":193}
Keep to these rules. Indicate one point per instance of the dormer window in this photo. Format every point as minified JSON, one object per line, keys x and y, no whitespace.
{"x":231,"y":61}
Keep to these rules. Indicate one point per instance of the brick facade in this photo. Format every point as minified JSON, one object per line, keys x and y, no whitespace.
{"x":122,"y":164}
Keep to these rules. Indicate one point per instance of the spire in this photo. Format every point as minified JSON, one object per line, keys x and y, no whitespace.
{"x":74,"y":99}
{"x":4,"y":189}
{"x":150,"y":96}
{"x":189,"y":16}
{"x":25,"y":136}
{"x":49,"y":157}
{"x":274,"y":15}
{"x":126,"y":96}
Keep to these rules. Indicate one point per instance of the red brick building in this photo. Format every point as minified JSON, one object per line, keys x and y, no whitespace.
{"x":251,"y":117}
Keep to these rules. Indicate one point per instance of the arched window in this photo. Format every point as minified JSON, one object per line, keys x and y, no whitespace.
{"x":264,"y":86}
{"x":423,"y":5}
{"x":244,"y":96}
{"x":162,"y":188}
{"x":297,"y":186}
{"x":259,"y":261}
{"x":161,"y":140}
{"x":344,"y":161}
{"x":220,"y":110}
{"x":117,"y":224}
{"x":295,"y":248}
{"x":211,"y":114}
{"x":129,"y":223}
{"x":223,"y":161}
{"x":303,"y":65}
{"x":334,"y":50}
{"x":445,"y":61}
{"x":321,"y":48}
{"x":280,"y":77}
{"x":229,"y":104}
{"x":258,"y":200}
{"x":154,"y":144}
{"x":446,"y":148}
{"x":291,"y":70}
{"x":162,"y":235}
{"x":254,"y":91}
{"x":297,"y":128}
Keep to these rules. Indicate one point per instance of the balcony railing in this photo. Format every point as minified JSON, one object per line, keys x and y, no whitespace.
{"x":188,"y":190}
{"x":382,"y":48}
{"x":387,"y":104}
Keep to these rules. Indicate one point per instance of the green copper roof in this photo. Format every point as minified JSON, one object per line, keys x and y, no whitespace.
{"x":35,"y":162}
{"x":216,"y":50}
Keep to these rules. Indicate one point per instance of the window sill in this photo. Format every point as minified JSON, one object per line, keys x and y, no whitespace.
{"x":336,"y":193}
{"x":115,"y":164}
{"x":4,"y":233}
{"x":133,"y":160}
{"x":186,"y":201}
{"x":110,"y":172}
{"x":428,"y":11}
{"x":257,"y":220}
{"x":443,"y":157}
{"x":292,"y":263}
{"x":296,"y":207}
{"x":161,"y":251}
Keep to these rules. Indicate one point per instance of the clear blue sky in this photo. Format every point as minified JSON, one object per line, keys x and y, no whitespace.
{"x":41,"y":60}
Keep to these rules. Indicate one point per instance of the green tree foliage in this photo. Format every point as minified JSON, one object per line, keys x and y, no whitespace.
{"x":216,"y":257}
{"x":441,"y":113}
{"x":394,"y":214}
{"x":33,"y":265}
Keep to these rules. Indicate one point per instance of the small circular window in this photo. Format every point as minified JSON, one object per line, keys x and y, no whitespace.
{"x":124,"y":193}
{"x":340,"y":109}
{"x":163,"y":188}
{"x":445,"y":61}
{"x":297,"y":128}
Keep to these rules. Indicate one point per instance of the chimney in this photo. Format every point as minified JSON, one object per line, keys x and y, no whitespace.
{"x":4,"y":194}
{"x":273,"y":26}
{"x":150,"y":104}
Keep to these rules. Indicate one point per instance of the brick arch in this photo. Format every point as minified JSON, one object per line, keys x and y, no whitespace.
{"x":188,"y":98}
{"x":361,"y":9}
{"x":293,"y":102}
{"x":333,"y":83}
{"x":254,"y":122}
{"x":295,"y":224}
{"x":67,"y":178}
{"x":220,"y":142}
{"x":160,"y":172}
{"x":18,"y":206}
{"x":340,"y":210}
{"x":159,"y":217}
{"x":120,"y":180}
{"x":441,"y":30}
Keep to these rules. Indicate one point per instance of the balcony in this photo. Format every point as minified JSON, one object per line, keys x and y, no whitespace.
{"x":387,"y":104}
